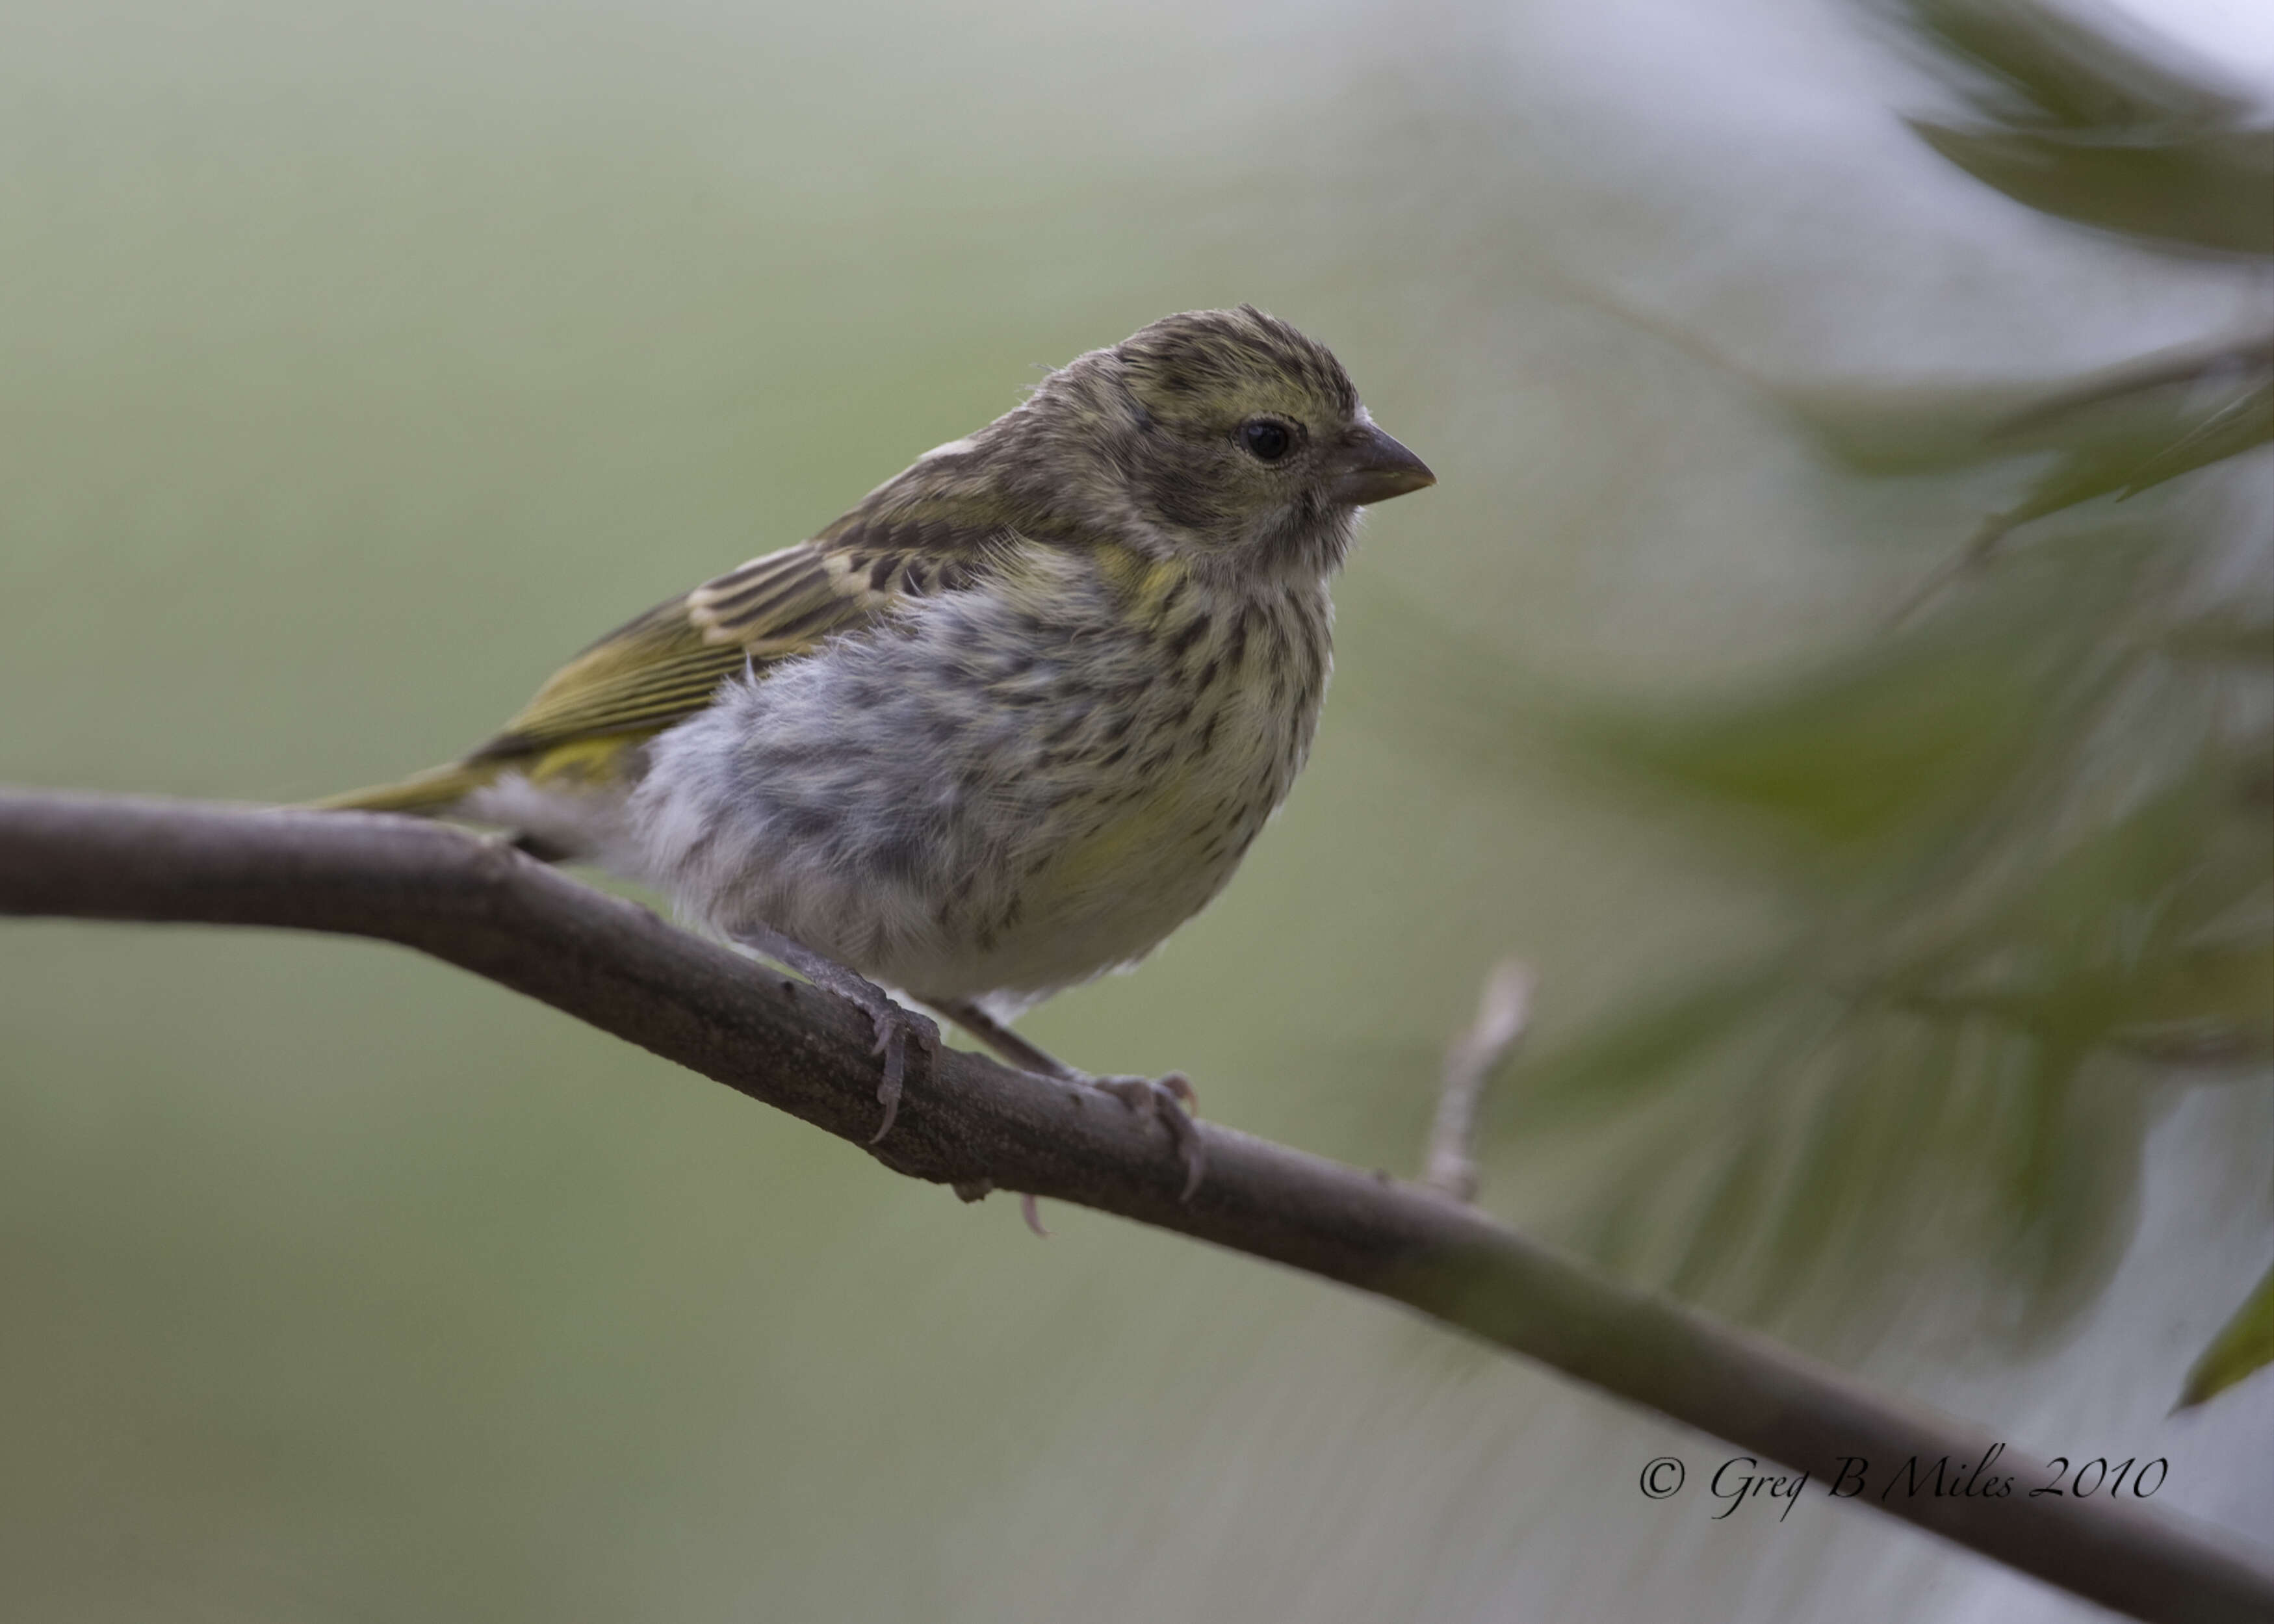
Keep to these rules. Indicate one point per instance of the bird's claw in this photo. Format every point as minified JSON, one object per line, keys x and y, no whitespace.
{"x":1170,"y":1099}
{"x":894,"y":1027}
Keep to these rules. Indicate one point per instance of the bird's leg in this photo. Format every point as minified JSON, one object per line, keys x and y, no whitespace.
{"x":894,"y":1025}
{"x":998,"y":1037}
{"x":1169,"y":1098}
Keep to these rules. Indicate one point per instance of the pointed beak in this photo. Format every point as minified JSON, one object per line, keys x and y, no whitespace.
{"x":1370,"y":466}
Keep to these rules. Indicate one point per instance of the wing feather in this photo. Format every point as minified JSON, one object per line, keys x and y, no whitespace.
{"x":666,"y":664}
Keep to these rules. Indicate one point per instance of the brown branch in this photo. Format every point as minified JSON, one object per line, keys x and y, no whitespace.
{"x":1502,"y":1009}
{"x":486,"y":908}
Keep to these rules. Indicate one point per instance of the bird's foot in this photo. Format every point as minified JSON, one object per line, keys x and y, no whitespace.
{"x":1171,"y":1099}
{"x":895,"y":1028}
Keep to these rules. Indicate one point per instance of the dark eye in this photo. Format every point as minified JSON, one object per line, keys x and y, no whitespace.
{"x":1266,"y":441}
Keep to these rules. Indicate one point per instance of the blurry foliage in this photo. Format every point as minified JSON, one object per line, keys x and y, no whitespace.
{"x":2243,"y":1344}
{"x":2024,"y":834}
{"x":2076,"y":121}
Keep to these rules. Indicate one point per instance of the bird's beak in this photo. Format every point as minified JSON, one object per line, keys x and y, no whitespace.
{"x":1370,"y":466}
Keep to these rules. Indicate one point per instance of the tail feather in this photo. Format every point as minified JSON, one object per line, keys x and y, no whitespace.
{"x":426,"y":794}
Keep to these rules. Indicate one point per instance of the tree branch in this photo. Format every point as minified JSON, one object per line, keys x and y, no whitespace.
{"x":480,"y":906}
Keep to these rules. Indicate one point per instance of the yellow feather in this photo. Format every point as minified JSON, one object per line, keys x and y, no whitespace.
{"x":1131,"y":842}
{"x":428,"y":793}
{"x":583,"y":762}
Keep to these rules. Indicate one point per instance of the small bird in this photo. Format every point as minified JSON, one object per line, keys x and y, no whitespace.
{"x":1003,"y":725}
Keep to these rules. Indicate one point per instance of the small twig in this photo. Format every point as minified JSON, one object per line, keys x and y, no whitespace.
{"x":1501,"y":1014}
{"x":1971,"y":559}
{"x":2188,"y":365}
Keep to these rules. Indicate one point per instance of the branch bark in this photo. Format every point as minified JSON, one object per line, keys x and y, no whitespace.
{"x":484,"y":907}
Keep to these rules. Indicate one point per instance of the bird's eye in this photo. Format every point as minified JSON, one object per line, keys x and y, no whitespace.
{"x":1267,"y":441}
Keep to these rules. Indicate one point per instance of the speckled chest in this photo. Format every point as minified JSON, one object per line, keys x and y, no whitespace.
{"x":1010,"y":789}
{"x":1177,"y":734}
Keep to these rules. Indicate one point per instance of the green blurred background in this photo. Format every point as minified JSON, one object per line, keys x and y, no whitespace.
{"x":357,"y":363}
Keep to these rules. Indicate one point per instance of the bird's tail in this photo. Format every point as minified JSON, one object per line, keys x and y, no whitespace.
{"x":424,"y":795}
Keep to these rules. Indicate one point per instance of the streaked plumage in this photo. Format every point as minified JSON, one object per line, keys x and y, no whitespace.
{"x":1012,"y":719}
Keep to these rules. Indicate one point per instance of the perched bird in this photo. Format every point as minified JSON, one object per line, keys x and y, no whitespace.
{"x":1003,"y":727}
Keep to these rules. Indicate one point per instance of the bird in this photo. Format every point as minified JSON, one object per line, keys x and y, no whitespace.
{"x":1003,"y":725}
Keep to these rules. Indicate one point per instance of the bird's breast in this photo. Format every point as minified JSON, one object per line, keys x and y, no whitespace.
{"x":998,"y":792}
{"x":1171,"y":785}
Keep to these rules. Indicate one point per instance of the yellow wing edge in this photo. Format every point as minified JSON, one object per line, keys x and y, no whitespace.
{"x":663,"y":666}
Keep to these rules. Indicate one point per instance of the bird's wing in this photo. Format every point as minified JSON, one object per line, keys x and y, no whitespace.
{"x":664,"y":666}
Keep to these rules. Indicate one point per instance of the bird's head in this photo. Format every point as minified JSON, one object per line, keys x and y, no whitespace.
{"x":1219,"y":434}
